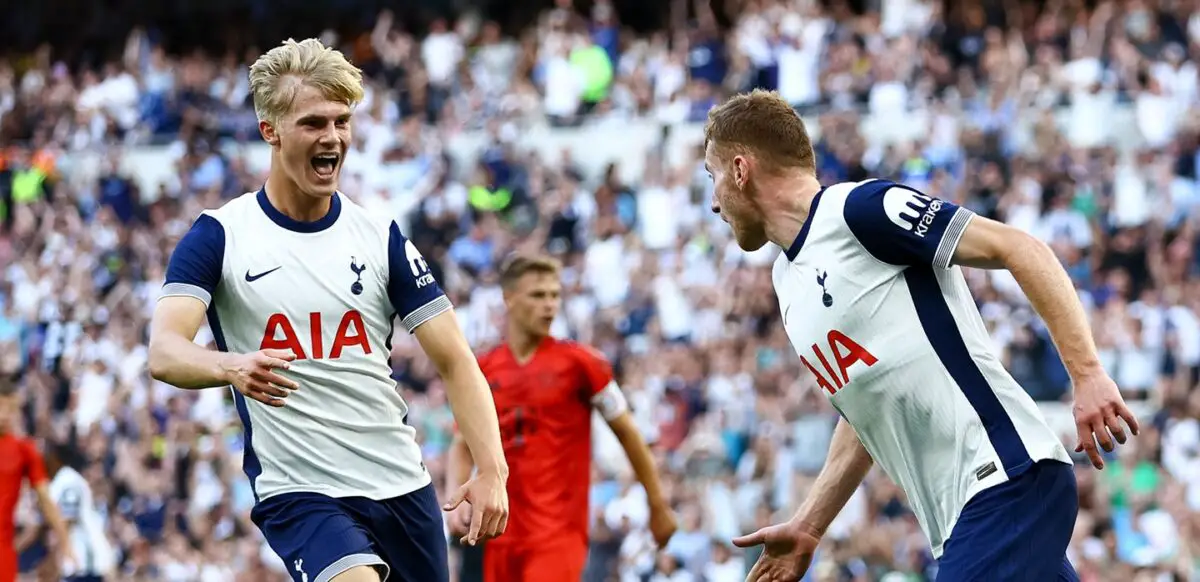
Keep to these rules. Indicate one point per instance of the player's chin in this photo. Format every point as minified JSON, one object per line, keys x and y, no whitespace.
{"x":747,"y":241}
{"x":322,"y":183}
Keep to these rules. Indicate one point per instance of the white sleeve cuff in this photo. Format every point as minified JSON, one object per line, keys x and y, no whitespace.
{"x":944,"y":256}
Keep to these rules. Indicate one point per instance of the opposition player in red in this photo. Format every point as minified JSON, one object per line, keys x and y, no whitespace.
{"x":19,"y":460}
{"x":545,"y":390}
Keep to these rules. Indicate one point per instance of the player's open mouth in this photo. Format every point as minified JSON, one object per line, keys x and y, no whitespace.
{"x":325,"y":164}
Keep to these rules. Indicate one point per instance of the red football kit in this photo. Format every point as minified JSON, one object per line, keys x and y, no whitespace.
{"x":545,"y":409}
{"x":19,"y":460}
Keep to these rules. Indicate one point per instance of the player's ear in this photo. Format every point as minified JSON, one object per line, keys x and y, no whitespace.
{"x":740,"y":170}
{"x":268,"y":133}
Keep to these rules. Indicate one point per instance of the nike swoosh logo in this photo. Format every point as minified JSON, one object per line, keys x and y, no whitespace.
{"x":252,"y":278}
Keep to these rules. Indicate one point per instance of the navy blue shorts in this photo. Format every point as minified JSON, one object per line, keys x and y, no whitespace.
{"x":33,"y":556}
{"x":319,"y":536}
{"x":1016,"y":531}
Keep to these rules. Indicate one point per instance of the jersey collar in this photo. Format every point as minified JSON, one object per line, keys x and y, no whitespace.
{"x":797,"y":244}
{"x":285,"y":221}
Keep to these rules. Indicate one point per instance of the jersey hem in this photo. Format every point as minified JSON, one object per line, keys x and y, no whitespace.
{"x":352,"y":561}
{"x":382,"y":494}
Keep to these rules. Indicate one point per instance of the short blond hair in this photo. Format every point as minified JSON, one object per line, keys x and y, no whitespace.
{"x":519,"y":265}
{"x":763,"y":124}
{"x":276,"y":77}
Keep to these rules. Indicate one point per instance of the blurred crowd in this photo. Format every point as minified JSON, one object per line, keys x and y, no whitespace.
{"x":1016,"y":107}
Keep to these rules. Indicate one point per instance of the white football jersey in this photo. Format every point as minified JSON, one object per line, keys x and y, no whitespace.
{"x":94,"y":554}
{"x":327,"y":290}
{"x":886,"y":324}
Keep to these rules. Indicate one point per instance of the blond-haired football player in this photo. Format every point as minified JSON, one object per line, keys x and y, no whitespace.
{"x":874,"y":302}
{"x":300,"y":287}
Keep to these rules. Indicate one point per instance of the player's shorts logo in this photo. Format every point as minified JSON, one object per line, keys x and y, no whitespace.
{"x":356,"y":287}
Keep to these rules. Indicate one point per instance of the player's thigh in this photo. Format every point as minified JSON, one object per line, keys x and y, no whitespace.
{"x":500,"y":563}
{"x":1015,"y":531}
{"x":410,"y":535}
{"x":560,"y":563}
{"x":316,"y":538}
{"x":358,"y":574}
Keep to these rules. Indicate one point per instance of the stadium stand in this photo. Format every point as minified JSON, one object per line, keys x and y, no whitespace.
{"x":569,"y":131}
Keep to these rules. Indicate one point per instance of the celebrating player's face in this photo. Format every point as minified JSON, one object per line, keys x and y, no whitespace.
{"x":534,"y":301}
{"x":312,"y":139}
{"x":733,"y":202}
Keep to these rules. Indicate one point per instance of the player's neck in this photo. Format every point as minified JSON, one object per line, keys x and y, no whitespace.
{"x":287,"y":199}
{"x":523,"y":344}
{"x":788,"y":209}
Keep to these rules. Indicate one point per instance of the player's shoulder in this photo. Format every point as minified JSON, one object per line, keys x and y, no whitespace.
{"x":877,"y":200}
{"x":233,"y":210}
{"x":360,"y":215}
{"x":490,"y":354}
{"x":849,"y":197}
{"x":577,"y":350}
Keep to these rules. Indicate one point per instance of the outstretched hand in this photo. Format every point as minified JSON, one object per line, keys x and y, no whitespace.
{"x":788,"y":550}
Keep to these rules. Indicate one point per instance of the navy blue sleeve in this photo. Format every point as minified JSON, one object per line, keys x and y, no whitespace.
{"x":195,"y":266}
{"x":415,"y":294}
{"x":902,"y":226}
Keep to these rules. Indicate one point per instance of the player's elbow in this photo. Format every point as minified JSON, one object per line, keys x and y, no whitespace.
{"x":158,"y":358}
{"x":162,"y":356}
{"x":1021,"y":248}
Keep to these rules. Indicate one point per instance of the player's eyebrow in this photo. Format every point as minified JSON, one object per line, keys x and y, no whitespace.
{"x":312,"y":118}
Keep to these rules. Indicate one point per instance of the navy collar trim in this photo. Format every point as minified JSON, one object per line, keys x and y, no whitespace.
{"x":798,"y":244}
{"x":285,"y":221}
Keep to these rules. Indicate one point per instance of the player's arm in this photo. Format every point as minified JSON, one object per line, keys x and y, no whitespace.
{"x":662,"y":518}
{"x":425,"y":311}
{"x":474,"y":410}
{"x":902,"y":227}
{"x":58,"y":523}
{"x":193,"y":273}
{"x":27,"y":538}
{"x":459,"y":463}
{"x":988,"y":244}
{"x":38,"y":480}
{"x":608,"y":399}
{"x":845,"y":468}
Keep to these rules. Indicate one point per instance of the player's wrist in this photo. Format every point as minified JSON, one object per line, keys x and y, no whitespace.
{"x":226,"y":367}
{"x":805,"y":527}
{"x":497,"y":470}
{"x":1081,"y":373}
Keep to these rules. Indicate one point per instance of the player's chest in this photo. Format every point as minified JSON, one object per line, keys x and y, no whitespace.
{"x":829,"y":316}
{"x":542,"y":383}
{"x":300,"y":279}
{"x":12,"y":466}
